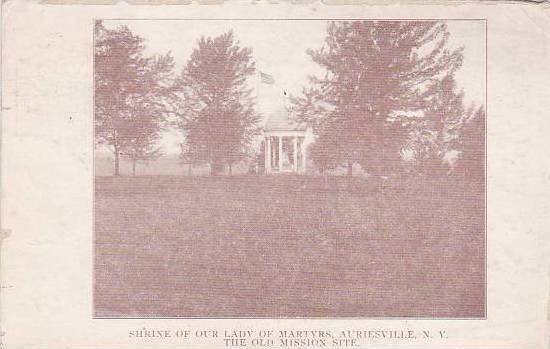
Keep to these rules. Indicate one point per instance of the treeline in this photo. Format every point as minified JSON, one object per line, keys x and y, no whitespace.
{"x":388,"y":100}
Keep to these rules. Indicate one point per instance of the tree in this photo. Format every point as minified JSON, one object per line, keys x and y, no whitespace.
{"x":471,"y":144}
{"x":375,"y":72}
{"x":130,"y":94}
{"x":220,"y":121}
{"x":433,"y":134}
{"x":142,"y":133}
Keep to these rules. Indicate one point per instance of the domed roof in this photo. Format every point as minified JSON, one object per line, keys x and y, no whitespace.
{"x":283,"y":121}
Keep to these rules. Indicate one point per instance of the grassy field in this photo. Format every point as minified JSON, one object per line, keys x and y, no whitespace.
{"x":288,"y":246}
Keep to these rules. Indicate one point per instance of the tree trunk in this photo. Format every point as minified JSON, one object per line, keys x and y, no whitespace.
{"x":350,"y":168}
{"x":230,"y":169}
{"x":117,"y":162}
{"x":134,"y":160}
{"x":189,"y":169}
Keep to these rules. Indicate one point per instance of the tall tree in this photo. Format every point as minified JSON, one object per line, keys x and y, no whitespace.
{"x":131,"y":92}
{"x":375,"y":72}
{"x":220,"y":120}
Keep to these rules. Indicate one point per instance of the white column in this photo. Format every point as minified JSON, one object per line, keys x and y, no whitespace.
{"x":280,"y":153}
{"x":295,"y":160}
{"x":303,"y":147}
{"x":267,"y":164}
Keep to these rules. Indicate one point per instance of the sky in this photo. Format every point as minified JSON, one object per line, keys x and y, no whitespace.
{"x":279,"y":49}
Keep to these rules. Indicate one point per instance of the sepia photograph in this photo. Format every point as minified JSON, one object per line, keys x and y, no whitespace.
{"x":289,"y":168}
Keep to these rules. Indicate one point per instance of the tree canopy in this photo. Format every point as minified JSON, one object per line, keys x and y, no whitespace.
{"x":471,"y":145}
{"x":219,"y":119}
{"x":130,"y":93}
{"x":377,"y":73}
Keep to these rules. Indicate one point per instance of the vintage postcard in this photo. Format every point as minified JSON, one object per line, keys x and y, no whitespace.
{"x":274,"y":175}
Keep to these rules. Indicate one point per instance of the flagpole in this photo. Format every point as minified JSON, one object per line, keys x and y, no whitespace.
{"x":263,"y":79}
{"x":258,"y":83}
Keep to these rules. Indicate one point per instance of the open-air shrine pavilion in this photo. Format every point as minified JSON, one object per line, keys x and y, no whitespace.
{"x":284,"y":145}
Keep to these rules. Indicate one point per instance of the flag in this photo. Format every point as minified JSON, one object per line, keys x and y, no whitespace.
{"x":267,"y":79}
